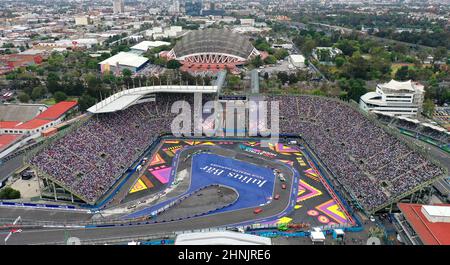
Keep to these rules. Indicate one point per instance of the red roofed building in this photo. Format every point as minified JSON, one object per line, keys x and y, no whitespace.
{"x":47,"y":119}
{"x":6,"y":140}
{"x":57,"y":111}
{"x":420,"y":224}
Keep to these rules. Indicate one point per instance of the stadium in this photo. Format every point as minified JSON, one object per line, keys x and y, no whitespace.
{"x":124,"y":174}
{"x":212,"y":50}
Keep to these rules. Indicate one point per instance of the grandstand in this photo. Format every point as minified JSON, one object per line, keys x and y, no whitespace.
{"x":212,"y":50}
{"x":90,"y":159}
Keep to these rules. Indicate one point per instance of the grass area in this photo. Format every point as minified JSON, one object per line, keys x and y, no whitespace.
{"x":52,"y":101}
{"x":49,"y":101}
{"x":396,"y":66}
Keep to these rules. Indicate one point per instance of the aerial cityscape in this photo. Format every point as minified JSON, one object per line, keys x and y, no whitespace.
{"x":225,"y":122}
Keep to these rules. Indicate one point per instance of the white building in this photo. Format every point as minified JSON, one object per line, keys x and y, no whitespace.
{"x":123,"y":60}
{"x":146,"y":45}
{"x":247,"y":22}
{"x":82,"y":21}
{"x":297,"y":60}
{"x":118,"y":6}
{"x":395,"y":98}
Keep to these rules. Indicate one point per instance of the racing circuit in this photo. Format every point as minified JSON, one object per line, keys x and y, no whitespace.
{"x":180,"y":169}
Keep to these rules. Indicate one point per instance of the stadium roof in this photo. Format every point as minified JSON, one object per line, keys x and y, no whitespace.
{"x":397,"y":85}
{"x":222,"y":41}
{"x":434,"y":127}
{"x":56,"y":111}
{"x":221,"y":238}
{"x":145,"y":45}
{"x":430,"y":233}
{"x":126,"y":58}
{"x":126,"y":98}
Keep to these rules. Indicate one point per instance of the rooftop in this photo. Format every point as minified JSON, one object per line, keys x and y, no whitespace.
{"x":406,"y":85}
{"x":19,"y":112}
{"x":56,"y":111}
{"x":126,"y":58}
{"x":430,"y":233}
{"x":7,"y":139}
{"x":145,"y":45}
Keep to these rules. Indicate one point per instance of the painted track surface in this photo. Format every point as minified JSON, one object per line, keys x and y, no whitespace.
{"x":243,"y":216}
{"x":250,"y":195}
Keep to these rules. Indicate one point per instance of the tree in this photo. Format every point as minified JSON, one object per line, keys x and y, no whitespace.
{"x":439,"y":54}
{"x":402,"y":73}
{"x":339,"y":61}
{"x":354,"y":88}
{"x":270,"y":60}
{"x":60,"y":96}
{"x":85,"y":102}
{"x":126,"y":73}
{"x":53,"y":82}
{"x":281,"y":54}
{"x":257,"y":62}
{"x":9,"y":193}
{"x":428,"y":107}
{"x":173,"y":64}
{"x":38,"y":92}
{"x":23,"y":97}
{"x":233,"y":81}
{"x":283,"y":77}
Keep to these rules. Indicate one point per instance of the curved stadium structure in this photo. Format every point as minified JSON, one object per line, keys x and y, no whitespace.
{"x":90,"y":159}
{"x":213,"y":49}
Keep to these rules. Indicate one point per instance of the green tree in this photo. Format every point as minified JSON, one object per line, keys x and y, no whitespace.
{"x":85,"y":102}
{"x":23,"y":97}
{"x":281,"y":54}
{"x":402,"y":73}
{"x":9,"y":193}
{"x":126,"y":73}
{"x":38,"y":92}
{"x":440,"y":53}
{"x":257,"y":62}
{"x":59,"y":96}
{"x":428,"y":107}
{"x":270,"y":60}
{"x":173,"y":64}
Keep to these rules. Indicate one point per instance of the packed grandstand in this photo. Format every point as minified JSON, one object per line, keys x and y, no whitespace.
{"x":372,"y":165}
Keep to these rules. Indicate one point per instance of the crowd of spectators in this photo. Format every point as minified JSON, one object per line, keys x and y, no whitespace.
{"x":371,"y":164}
{"x":442,"y":137}
{"x":90,"y":159}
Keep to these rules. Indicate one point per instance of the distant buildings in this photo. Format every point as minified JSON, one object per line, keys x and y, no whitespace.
{"x":118,"y":6}
{"x":82,"y":21}
{"x":10,"y":62}
{"x":395,"y":98}
{"x":193,"y":7}
{"x":247,"y":22}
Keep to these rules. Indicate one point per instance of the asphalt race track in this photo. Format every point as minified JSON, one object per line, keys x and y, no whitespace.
{"x":273,"y":210}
